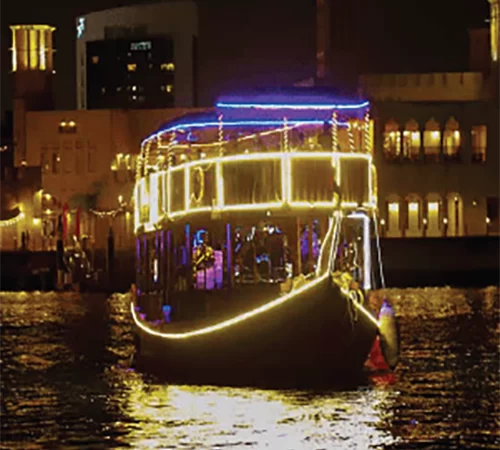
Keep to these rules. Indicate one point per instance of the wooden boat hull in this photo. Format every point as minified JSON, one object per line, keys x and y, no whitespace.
{"x":317,"y":338}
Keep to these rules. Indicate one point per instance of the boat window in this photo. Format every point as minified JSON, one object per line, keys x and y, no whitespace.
{"x":250,"y":182}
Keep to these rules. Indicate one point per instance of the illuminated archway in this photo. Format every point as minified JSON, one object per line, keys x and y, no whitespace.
{"x":411,"y":140}
{"x":455,"y":215}
{"x":393,"y":214}
{"x":414,"y":221}
{"x":433,"y":220}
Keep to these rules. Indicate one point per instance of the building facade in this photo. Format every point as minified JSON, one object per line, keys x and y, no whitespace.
{"x":140,"y":56}
{"x":437,"y":145}
{"x":87,"y":160}
{"x":78,"y":163}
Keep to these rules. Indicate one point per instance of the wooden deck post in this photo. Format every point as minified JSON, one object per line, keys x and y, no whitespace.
{"x":297,"y":246}
{"x":189,"y":257}
{"x":310,"y":258}
{"x":229,"y":255}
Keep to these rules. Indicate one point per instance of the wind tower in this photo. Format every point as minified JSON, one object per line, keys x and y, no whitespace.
{"x":32,"y":79}
{"x":495,"y":47}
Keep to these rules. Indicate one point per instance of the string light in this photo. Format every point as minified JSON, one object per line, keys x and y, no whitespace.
{"x":285,"y":160}
{"x":12,"y":221}
{"x":110,"y":214}
{"x":350,"y":130}
{"x":221,"y":135}
{"x":335,"y":130}
{"x":294,"y":294}
{"x":292,"y":106}
{"x":367,"y":139}
{"x":239,"y":123}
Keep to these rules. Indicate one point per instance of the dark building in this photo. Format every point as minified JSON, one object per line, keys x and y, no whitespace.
{"x":130,"y":73}
{"x":140,"y":56}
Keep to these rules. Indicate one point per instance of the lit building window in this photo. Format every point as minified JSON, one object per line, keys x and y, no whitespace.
{"x":432,"y":141}
{"x":392,"y":140}
{"x":95,"y":59}
{"x":67,"y":127}
{"x":451,"y":140}
{"x":169,"y":88}
{"x":169,"y":67}
{"x":411,"y":141}
{"x":413,"y":218}
{"x":393,"y":217}
{"x":494,"y":28}
{"x":433,"y":217}
{"x":479,"y":141}
{"x":131,"y":67}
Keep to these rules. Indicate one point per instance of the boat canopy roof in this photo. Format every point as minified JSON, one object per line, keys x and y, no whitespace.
{"x":271,"y":107}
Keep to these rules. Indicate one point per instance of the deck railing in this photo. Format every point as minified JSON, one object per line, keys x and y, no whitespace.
{"x":268,"y":182}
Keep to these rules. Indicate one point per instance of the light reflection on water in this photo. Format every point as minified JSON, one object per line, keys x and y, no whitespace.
{"x":65,"y":383}
{"x":194,"y":417}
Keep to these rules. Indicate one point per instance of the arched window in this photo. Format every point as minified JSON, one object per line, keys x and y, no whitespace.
{"x":451,"y":140}
{"x":434,"y":219}
{"x":432,"y":141}
{"x":414,"y":211}
{"x":393,"y":203}
{"x":411,"y":141}
{"x":479,"y":141}
{"x":392,"y":140}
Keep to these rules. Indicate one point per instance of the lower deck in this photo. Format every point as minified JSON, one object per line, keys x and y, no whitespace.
{"x":194,"y":271}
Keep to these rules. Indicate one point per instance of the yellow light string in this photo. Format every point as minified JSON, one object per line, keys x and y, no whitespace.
{"x":138,"y":166}
{"x":368,"y":144}
{"x":351,"y":137}
{"x":243,"y":317}
{"x":221,"y":136}
{"x":199,"y":172}
{"x":146,"y":158}
{"x":12,"y":221}
{"x":335,"y":132}
{"x":286,"y":184}
{"x":111,"y":213}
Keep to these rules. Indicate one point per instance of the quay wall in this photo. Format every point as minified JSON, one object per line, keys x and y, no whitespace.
{"x":408,"y":262}
{"x":471,"y":261}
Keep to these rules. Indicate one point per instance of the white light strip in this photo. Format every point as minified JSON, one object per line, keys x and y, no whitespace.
{"x":366,"y":249}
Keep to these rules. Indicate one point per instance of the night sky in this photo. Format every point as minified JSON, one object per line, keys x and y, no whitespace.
{"x":266,"y":42}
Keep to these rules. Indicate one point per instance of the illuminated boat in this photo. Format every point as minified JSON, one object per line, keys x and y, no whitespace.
{"x":257,"y":244}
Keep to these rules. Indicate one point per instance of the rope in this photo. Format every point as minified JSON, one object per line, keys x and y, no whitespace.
{"x":377,"y":240}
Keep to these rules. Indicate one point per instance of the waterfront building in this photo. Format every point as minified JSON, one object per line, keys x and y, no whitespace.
{"x":141,"y":56}
{"x":437,"y":145}
{"x":81,"y":162}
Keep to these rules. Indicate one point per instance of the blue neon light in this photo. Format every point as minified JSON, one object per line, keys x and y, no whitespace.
{"x":291,"y":106}
{"x":263,"y":123}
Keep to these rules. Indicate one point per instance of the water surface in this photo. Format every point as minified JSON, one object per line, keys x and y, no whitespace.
{"x":66,"y":383}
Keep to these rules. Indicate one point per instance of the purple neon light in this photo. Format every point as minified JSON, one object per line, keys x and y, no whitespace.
{"x":291,"y":106}
{"x":263,"y":123}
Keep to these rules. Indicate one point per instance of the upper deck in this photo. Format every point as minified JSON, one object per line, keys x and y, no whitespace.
{"x":266,"y":154}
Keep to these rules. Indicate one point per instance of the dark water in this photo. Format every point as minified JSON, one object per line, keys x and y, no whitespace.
{"x":65,"y":384}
